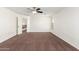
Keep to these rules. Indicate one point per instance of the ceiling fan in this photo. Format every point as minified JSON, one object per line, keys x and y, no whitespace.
{"x":35,"y":10}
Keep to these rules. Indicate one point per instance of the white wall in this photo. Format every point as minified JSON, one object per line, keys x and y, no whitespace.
{"x":7,"y":24}
{"x":24,"y":21}
{"x":40,"y":23}
{"x":66,"y":25}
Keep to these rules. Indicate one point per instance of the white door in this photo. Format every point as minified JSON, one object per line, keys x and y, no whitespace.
{"x":19,"y":25}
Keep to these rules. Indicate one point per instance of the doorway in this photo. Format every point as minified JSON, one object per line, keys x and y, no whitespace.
{"x":24,"y":25}
{"x":21,"y":25}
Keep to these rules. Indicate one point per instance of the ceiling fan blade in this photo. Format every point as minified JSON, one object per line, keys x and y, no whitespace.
{"x":40,"y":11}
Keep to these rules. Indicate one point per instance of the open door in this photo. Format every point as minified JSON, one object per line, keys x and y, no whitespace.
{"x":18,"y":25}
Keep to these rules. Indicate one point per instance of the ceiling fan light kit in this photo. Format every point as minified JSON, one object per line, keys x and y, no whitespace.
{"x":34,"y":12}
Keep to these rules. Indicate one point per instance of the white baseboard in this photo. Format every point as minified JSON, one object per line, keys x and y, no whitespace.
{"x":66,"y":39}
{"x":6,"y":37}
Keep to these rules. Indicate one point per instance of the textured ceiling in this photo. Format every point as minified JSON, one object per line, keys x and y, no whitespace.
{"x":26,"y":11}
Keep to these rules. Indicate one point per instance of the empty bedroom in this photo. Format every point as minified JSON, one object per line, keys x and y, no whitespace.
{"x":39,"y":28}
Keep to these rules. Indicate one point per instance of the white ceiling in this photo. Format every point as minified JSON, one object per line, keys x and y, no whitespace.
{"x":26,"y":11}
